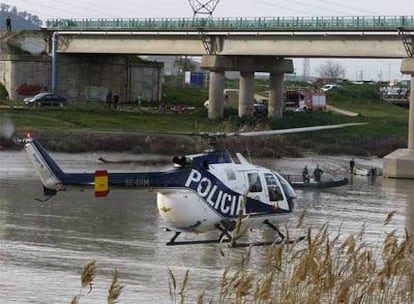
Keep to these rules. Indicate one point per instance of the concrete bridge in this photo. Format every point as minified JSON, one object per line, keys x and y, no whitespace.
{"x":348,"y":37}
{"x":252,"y":45}
{"x":247,"y":45}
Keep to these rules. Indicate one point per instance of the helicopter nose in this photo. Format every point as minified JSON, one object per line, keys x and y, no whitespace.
{"x":181,"y":210}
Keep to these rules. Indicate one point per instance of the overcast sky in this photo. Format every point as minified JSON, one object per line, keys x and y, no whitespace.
{"x":369,"y":69}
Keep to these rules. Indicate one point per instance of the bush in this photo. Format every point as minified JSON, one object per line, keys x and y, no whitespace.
{"x":3,"y":92}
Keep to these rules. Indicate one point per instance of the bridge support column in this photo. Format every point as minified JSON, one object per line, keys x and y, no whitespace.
{"x":246,"y":93}
{"x":275,"y":106}
{"x":247,"y":65}
{"x":400,"y":163}
{"x":215,"y":92}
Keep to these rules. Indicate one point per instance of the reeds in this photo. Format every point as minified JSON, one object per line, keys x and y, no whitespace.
{"x":87,"y":277}
{"x":114,"y":290}
{"x":325,"y":268}
{"x":172,"y":284}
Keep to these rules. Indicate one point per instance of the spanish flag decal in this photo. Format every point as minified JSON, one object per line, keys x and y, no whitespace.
{"x":101,"y":183}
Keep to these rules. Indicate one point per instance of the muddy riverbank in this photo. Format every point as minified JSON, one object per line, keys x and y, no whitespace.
{"x":273,"y":146}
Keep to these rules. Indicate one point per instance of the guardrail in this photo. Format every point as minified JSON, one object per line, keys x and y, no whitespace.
{"x":339,"y":23}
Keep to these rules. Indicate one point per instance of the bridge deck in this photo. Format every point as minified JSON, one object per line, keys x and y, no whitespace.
{"x":338,"y":23}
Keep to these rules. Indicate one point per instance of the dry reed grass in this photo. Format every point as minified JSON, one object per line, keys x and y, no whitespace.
{"x":87,"y":277}
{"x":114,"y":290}
{"x":325,"y":268}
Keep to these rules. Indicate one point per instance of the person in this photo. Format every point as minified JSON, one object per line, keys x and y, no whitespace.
{"x":317,"y":174}
{"x":352,"y":165}
{"x":305,"y":174}
{"x":8,"y":23}
{"x":116,"y":100}
{"x":109,"y":98}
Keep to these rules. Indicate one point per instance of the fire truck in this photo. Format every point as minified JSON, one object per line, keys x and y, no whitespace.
{"x":304,"y":101}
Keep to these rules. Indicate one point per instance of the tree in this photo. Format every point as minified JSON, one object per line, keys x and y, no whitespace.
{"x":184,"y":64}
{"x":331,"y":71}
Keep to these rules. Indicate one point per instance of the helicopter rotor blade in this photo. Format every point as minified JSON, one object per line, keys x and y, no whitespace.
{"x":216,"y":135}
{"x":294,"y":130}
{"x":266,"y":132}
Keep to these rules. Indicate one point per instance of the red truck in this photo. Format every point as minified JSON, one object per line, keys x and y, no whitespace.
{"x":304,"y":101}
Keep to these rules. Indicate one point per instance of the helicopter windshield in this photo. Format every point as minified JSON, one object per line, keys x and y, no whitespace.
{"x":287,"y":188}
{"x":273,"y":188}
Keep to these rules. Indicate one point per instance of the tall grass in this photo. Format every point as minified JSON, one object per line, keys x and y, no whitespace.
{"x":87,"y":277}
{"x":325,"y":268}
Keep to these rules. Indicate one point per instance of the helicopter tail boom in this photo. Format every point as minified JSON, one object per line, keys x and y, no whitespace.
{"x":49,"y":172}
{"x":55,"y":179}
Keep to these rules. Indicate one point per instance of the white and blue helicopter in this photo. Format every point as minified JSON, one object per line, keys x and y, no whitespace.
{"x":200,"y":193}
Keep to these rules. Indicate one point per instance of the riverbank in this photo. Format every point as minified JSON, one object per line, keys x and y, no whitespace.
{"x":85,"y":127}
{"x":294,"y":145}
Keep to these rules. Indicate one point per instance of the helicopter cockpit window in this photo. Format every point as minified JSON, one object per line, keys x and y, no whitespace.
{"x":290,"y":193}
{"x":254,"y":182}
{"x":182,"y":161}
{"x":275,"y":193}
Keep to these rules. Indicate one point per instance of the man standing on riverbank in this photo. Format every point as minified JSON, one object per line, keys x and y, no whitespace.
{"x":116,"y":100}
{"x":8,"y":23}
{"x":352,"y":165}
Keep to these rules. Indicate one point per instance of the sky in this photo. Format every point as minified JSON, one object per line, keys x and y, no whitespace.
{"x":355,"y":69}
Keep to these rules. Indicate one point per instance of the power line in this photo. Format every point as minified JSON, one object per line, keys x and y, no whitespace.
{"x":316,"y":6}
{"x":305,"y":4}
{"x":348,"y":7}
{"x":280,"y":6}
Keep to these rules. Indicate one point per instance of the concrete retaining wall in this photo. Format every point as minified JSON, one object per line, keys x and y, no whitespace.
{"x":82,"y":77}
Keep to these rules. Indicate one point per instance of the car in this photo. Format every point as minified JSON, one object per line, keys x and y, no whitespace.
{"x":45,"y":98}
{"x":329,"y":86}
{"x":260,"y":106}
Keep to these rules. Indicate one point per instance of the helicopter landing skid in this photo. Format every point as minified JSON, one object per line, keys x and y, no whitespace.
{"x":225,"y":237}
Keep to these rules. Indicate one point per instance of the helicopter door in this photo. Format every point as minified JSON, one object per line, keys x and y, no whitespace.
{"x":255,"y":185}
{"x":273,"y":188}
{"x":256,"y":188}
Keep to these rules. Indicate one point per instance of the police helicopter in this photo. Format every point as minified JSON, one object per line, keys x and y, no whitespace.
{"x":201,"y":192}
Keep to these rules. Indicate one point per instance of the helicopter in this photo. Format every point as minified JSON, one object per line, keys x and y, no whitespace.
{"x":208,"y":191}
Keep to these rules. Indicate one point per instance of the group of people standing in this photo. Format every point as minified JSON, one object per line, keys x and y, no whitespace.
{"x":317,"y":174}
{"x":112,"y":100}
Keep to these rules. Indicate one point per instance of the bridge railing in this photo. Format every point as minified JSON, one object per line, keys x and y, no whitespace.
{"x":338,"y":23}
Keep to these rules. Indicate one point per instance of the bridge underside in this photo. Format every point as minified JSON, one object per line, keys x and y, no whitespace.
{"x":345,"y":45}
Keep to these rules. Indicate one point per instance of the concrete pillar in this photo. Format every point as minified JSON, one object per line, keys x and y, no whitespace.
{"x":216,"y":95}
{"x":246,"y":93}
{"x":275,"y":107}
{"x":400,"y":163}
{"x":411,"y":114}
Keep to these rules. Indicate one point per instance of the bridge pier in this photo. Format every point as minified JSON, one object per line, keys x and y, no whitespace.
{"x":246,"y":93}
{"x":400,"y":163}
{"x":215,"y":93}
{"x":246,"y":65}
{"x":275,"y":106}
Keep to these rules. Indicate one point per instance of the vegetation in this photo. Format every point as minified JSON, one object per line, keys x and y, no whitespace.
{"x":87,"y":277}
{"x":59,"y":128}
{"x":325,"y":268}
{"x":331,"y":71}
{"x":20,"y":19}
{"x":3,"y":92}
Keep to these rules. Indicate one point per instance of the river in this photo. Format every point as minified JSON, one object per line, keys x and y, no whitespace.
{"x":44,"y":245}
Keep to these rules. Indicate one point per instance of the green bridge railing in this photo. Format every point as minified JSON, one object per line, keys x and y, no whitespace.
{"x":342,"y":23}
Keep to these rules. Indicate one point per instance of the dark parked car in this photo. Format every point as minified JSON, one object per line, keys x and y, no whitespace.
{"x":45,"y":99}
